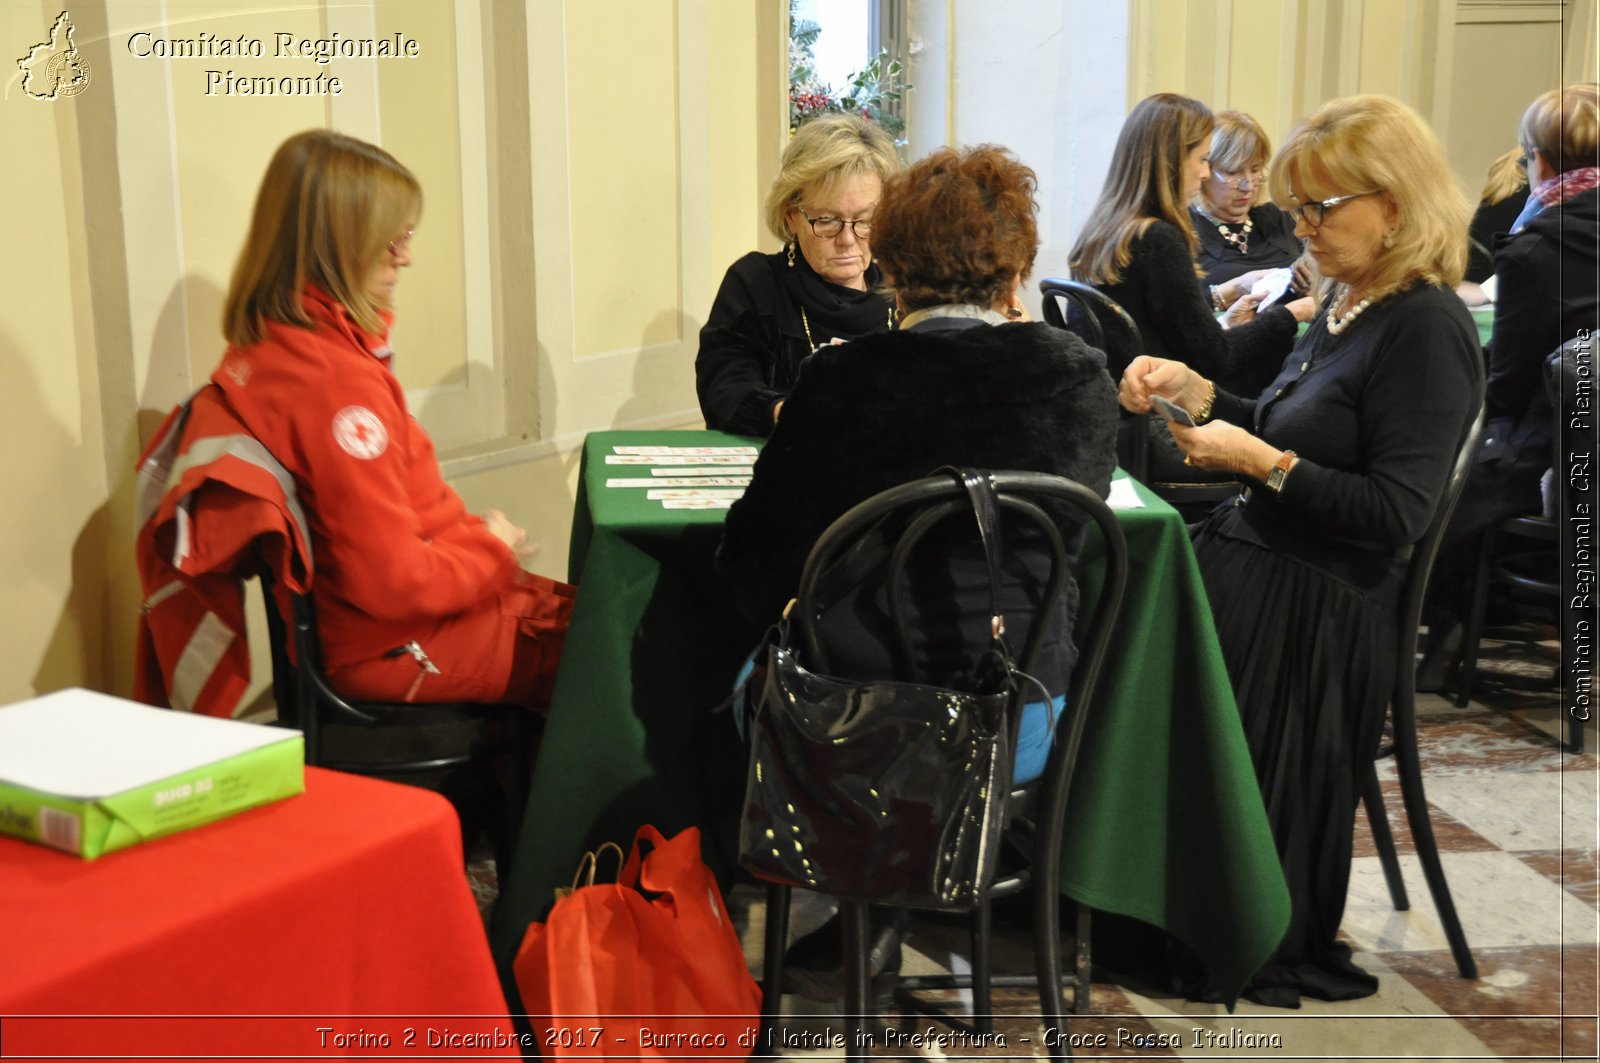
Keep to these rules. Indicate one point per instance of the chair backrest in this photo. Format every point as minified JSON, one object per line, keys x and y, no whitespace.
{"x":1095,"y":317}
{"x":1561,"y":380}
{"x":1099,"y":321}
{"x":915,"y":508}
{"x":1426,"y":549}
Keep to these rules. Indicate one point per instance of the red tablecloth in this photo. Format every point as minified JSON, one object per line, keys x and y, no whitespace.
{"x":338,"y":922}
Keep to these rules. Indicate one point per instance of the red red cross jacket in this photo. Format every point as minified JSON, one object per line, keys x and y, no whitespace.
{"x":213,"y":503}
{"x":396,"y":550}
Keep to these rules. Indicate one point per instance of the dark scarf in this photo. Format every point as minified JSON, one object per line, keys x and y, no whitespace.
{"x":833,"y":310}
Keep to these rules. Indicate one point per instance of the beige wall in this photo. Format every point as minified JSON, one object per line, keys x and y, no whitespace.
{"x":1469,"y":67}
{"x":590,"y":168}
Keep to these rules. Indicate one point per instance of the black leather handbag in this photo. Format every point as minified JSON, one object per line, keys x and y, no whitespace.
{"x":881,"y":790}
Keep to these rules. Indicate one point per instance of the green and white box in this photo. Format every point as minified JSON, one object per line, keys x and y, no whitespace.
{"x":89,"y":773}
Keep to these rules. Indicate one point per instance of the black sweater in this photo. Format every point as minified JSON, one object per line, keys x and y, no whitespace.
{"x":1160,"y":291}
{"x":755,"y":338}
{"x":1375,"y":416}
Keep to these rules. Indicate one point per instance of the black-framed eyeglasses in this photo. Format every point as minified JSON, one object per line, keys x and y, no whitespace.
{"x":401,"y":244}
{"x":1314,"y":212}
{"x":1239,"y":182}
{"x":1525,"y":160}
{"x":827,"y":228}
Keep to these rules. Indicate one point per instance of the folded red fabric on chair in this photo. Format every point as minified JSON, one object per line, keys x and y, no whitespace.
{"x":647,"y":966}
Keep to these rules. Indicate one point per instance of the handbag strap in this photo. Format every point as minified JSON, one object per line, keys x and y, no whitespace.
{"x":985,"y":504}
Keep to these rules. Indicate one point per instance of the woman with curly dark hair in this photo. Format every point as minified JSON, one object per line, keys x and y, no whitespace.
{"x":963,"y":381}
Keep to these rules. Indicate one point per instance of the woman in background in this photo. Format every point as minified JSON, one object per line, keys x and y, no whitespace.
{"x":1139,"y":248}
{"x":1505,"y":193}
{"x":417,"y":600}
{"x":1347,"y":452}
{"x":1242,"y":234}
{"x":772,"y":311}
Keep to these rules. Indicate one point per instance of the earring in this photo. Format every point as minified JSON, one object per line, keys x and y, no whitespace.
{"x":1388,"y":240}
{"x":791,"y":254}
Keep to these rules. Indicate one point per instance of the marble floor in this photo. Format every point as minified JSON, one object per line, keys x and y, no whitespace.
{"x":1516,"y":820}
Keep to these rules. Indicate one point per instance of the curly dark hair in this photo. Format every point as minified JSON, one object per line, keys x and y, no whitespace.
{"x":957,"y":227}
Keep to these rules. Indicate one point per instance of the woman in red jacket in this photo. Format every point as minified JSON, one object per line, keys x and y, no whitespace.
{"x":417,"y":599}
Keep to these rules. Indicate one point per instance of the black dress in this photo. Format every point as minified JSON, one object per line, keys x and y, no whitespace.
{"x":755,"y":337}
{"x":1304,"y":588}
{"x":1271,"y":244}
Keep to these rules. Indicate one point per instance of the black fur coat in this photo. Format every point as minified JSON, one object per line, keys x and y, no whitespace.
{"x":893,"y":407}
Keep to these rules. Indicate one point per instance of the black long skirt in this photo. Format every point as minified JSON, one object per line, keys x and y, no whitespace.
{"x":1311,"y":661}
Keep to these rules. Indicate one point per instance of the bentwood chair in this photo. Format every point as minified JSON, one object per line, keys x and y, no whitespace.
{"x":478,"y":756}
{"x":1144,"y":447}
{"x":1522,"y":554}
{"x":1402,"y":710}
{"x":901,"y":519}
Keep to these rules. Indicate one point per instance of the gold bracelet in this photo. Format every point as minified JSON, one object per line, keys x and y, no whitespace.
{"x":1204,"y":412}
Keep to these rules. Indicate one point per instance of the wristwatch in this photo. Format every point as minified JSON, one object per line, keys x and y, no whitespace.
{"x":1280,"y":472}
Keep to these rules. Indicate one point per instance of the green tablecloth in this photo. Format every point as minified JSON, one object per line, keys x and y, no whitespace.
{"x":1165,"y":820}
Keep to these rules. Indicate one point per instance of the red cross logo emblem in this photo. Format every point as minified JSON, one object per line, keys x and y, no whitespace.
{"x":359,"y":433}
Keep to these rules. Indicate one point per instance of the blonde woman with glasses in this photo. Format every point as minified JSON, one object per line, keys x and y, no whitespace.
{"x":1242,"y":233}
{"x":1346,"y":455}
{"x":774,"y":310}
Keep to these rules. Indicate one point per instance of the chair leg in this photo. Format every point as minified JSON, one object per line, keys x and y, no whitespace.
{"x":858,"y":1008}
{"x":1410,"y":767}
{"x":1082,"y":964}
{"x":982,"y":993}
{"x":1383,"y":840}
{"x":1047,"y":953}
{"x":1474,"y":625}
{"x":777,"y":942}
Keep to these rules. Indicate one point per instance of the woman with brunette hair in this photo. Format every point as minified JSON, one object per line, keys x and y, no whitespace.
{"x":1346,"y":453}
{"x":417,"y":600}
{"x":1140,"y":247}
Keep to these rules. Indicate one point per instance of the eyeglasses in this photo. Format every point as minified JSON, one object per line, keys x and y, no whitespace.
{"x":1524,"y":161}
{"x":1314,"y":212}
{"x":1240,"y":182}
{"x":401,"y":244}
{"x":828,"y":228}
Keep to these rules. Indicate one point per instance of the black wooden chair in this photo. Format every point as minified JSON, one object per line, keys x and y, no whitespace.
{"x":1037,"y":811}
{"x":476,"y":755}
{"x":1403,"y":715}
{"x":1144,"y":448}
{"x":1522,"y":554}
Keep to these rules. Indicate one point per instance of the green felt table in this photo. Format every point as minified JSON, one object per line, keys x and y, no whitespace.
{"x":1165,"y":821}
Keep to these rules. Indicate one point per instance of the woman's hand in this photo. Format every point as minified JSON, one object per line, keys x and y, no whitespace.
{"x":1303,"y":308}
{"x":500,"y":526}
{"x":1147,"y":376}
{"x":1303,"y":275}
{"x":1224,"y":447}
{"x":1236,"y":289}
{"x":1241,"y":312}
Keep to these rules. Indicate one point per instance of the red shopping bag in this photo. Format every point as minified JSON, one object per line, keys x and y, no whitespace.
{"x":648,"y":966}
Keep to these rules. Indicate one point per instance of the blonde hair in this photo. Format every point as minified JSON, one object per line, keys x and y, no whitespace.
{"x":1237,"y":144}
{"x":1563,"y":124}
{"x":328,"y":207}
{"x":1374,"y":144}
{"x":1507,"y":177}
{"x":1144,"y":184}
{"x":824,"y":152}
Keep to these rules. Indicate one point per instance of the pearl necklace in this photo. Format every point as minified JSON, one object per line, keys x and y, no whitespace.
{"x":1337,"y":324}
